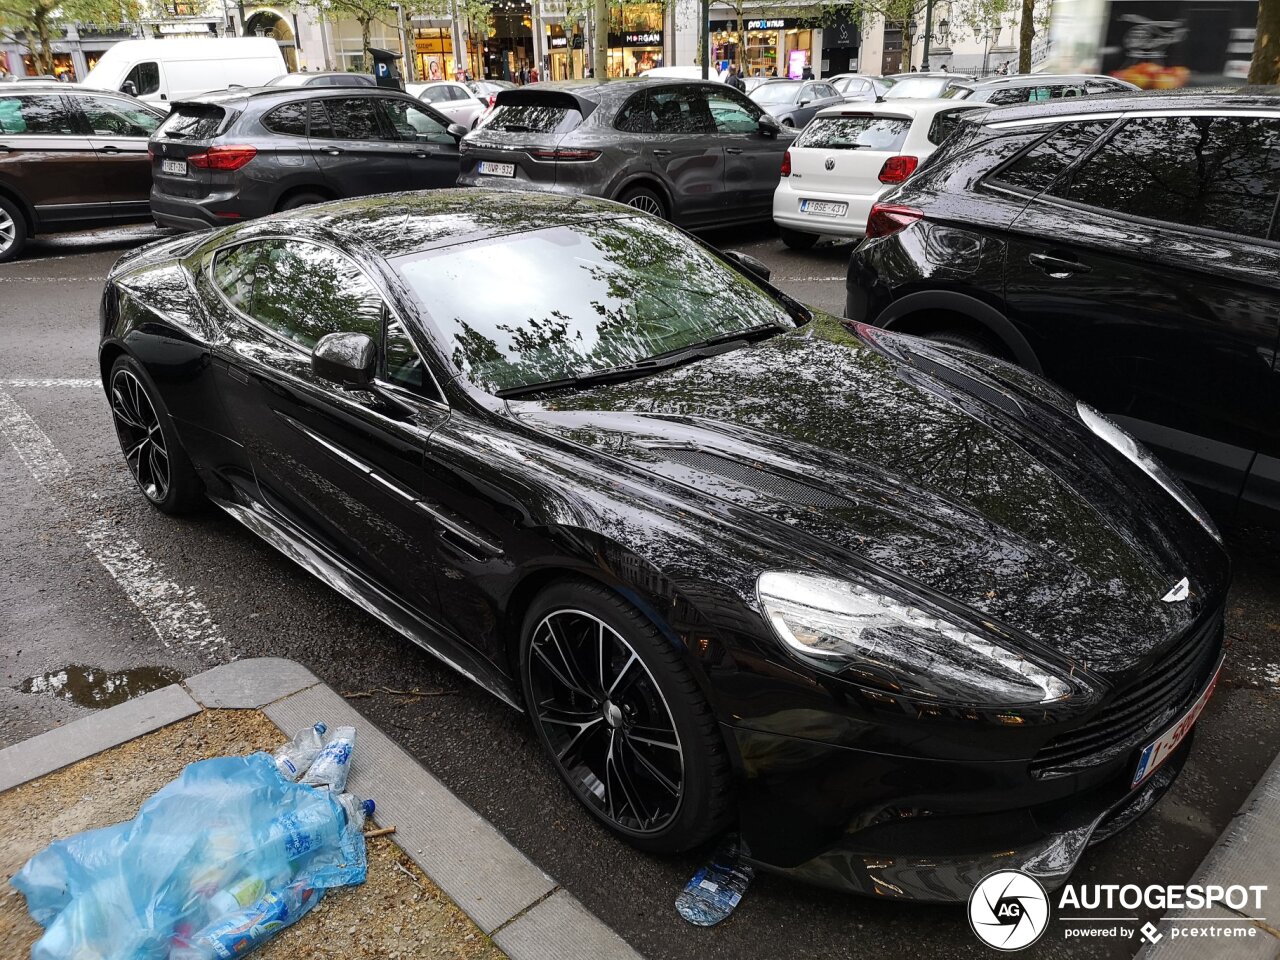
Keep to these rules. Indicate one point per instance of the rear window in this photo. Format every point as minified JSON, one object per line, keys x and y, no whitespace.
{"x":855,"y":133}
{"x":193,"y":121}
{"x":532,"y":118}
{"x":289,"y":119}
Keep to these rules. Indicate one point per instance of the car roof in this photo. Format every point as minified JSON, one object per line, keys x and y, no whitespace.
{"x":1037,"y":79}
{"x":586,"y":95}
{"x":245,"y":94}
{"x":403,"y":224}
{"x":904,"y":107}
{"x":1163,"y":100}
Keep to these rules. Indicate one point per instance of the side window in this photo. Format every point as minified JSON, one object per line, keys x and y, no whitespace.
{"x":944,"y":124}
{"x":1037,"y":168}
{"x":145,"y":78}
{"x":1001,"y":98}
{"x":402,"y":363}
{"x":635,"y":115}
{"x":117,"y":118}
{"x":680,"y":110}
{"x":41,"y":116}
{"x":733,"y":114}
{"x":826,"y":91}
{"x":414,"y":123}
{"x":304,"y":291}
{"x":355,"y":118}
{"x":234,"y":271}
{"x":458,"y":93}
{"x":321,"y":125}
{"x":438,"y":93}
{"x":289,"y":119}
{"x":1217,"y":173}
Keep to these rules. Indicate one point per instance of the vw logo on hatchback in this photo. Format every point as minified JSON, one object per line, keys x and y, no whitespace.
{"x":830,"y":164}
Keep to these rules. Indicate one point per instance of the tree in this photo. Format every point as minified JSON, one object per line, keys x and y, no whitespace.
{"x":1265,"y":67}
{"x":363,"y":12}
{"x":38,"y":20}
{"x":1026,"y":34}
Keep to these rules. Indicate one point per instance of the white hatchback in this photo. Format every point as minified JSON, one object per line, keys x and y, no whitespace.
{"x":848,"y":157}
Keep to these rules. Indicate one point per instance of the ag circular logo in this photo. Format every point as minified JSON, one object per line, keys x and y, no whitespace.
{"x":1008,"y":910}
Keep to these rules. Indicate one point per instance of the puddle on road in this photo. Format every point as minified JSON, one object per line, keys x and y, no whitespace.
{"x":97,"y":688}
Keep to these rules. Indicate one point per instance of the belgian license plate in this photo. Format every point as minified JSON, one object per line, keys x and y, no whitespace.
{"x":1158,"y":751}
{"x":176,"y":167}
{"x":824,"y":208}
{"x":491,"y":169}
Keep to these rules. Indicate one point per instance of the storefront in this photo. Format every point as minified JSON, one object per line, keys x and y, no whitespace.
{"x":565,"y":54}
{"x":761,"y":47}
{"x":433,"y":53}
{"x":631,"y":54}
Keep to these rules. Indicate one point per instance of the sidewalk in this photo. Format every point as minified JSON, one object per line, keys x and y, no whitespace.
{"x":475,"y":891}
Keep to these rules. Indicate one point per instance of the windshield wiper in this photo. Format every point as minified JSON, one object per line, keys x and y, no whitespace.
{"x":662,"y":361}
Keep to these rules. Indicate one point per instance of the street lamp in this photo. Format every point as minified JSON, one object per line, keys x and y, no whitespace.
{"x":913,"y":28}
{"x":944,"y":31}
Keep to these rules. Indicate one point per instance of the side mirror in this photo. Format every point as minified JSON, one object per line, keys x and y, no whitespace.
{"x":346,"y":358}
{"x":804,"y":103}
{"x":748,"y":262}
{"x":129,"y":88}
{"x":768,"y":126}
{"x":457,"y":131}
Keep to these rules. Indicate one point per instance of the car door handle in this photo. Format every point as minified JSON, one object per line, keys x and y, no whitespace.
{"x":110,"y":149}
{"x":4,"y":149}
{"x":662,"y":153}
{"x":732,"y":149}
{"x":422,"y":156}
{"x":333,"y":151}
{"x":1057,"y":267}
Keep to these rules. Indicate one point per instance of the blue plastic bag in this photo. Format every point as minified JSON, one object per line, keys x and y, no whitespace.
{"x":134,"y":890}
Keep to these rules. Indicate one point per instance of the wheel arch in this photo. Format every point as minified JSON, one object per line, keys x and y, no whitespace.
{"x":297,"y":188}
{"x":921,"y":312}
{"x":647,"y":179}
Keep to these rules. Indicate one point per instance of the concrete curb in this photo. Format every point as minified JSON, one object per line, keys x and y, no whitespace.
{"x":1247,"y":854}
{"x":528,"y":915}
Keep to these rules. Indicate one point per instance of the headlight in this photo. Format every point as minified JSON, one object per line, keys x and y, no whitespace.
{"x":892,"y":645}
{"x":1141,"y":457}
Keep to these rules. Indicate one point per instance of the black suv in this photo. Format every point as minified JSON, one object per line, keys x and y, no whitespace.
{"x":1036,"y":88}
{"x":1128,"y":248}
{"x":225,"y":157}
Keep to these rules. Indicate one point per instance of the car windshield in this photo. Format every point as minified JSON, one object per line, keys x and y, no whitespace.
{"x":917,"y":87}
{"x":577,"y":300}
{"x":771,"y":93}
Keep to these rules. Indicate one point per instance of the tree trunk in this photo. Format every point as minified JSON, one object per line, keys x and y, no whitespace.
{"x":600,"y":41}
{"x":1026,"y":35}
{"x":1265,"y":68}
{"x":42,"y":48}
{"x":366,"y":58}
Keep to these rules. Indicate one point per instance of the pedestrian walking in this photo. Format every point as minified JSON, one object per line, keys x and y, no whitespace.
{"x":734,"y":80}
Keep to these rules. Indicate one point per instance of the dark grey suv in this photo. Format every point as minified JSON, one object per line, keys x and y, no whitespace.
{"x":230,"y":156}
{"x":695,"y":152}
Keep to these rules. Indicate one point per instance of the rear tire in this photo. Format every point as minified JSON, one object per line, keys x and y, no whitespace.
{"x":13,"y":230}
{"x":300,"y":200}
{"x":622,"y":718}
{"x":796,"y":240}
{"x":645,"y":200}
{"x":967,"y":341}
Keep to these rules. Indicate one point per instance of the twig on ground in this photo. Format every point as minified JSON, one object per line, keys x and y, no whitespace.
{"x":380,"y":832}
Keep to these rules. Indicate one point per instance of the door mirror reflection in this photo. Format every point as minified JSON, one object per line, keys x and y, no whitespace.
{"x":349,"y":359}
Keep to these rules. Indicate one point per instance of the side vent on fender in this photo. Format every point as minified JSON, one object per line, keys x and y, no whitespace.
{"x":783,"y":488}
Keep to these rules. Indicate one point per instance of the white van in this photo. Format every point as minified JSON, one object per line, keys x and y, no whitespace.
{"x":161,"y":71}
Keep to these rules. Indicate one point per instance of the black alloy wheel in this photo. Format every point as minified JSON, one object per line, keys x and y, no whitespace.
{"x":622,"y":719}
{"x":155,"y":457}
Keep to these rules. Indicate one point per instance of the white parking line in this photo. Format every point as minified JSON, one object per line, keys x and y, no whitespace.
{"x":174,"y":612}
{"x":64,"y":383}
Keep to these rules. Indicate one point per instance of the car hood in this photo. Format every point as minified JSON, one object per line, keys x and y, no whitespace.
{"x":901,"y":460}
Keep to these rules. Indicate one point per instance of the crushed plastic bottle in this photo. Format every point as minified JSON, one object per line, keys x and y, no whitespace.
{"x":295,"y":756}
{"x":357,"y":810}
{"x":333,"y":763}
{"x":294,"y":836}
{"x":237,"y":933}
{"x":717,"y":888}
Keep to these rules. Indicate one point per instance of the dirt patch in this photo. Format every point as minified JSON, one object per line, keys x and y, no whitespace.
{"x":396,"y":913}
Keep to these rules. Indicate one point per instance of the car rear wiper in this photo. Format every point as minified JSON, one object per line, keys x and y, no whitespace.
{"x":662,"y":361}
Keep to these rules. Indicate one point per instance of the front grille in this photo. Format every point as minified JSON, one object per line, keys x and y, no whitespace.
{"x":1166,"y":688}
{"x":781,"y":487}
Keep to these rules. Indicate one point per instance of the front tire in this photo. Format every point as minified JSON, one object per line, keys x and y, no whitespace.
{"x":622,"y":719}
{"x":149,"y":442}
{"x":13,"y":230}
{"x":300,"y":200}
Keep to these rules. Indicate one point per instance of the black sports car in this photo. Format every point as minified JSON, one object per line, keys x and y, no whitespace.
{"x":897,"y":610}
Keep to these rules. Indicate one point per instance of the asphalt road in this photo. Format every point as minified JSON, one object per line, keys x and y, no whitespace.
{"x":66,"y":502}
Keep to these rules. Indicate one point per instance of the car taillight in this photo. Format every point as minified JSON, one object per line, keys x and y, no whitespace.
{"x":223,"y":158}
{"x":786,"y":164}
{"x":565,"y":154}
{"x":886,"y":219}
{"x":897,"y":169}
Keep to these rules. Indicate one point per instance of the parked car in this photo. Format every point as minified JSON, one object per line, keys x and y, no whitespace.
{"x":922,"y":86}
{"x":162,"y":71}
{"x":1035,"y":88}
{"x":855,"y":87}
{"x":697,"y":153}
{"x":740,"y":562}
{"x":849,"y":157}
{"x":325,"y":78}
{"x":488,"y":90}
{"x":793,"y":103}
{"x":455,"y":100}
{"x":246,"y":153}
{"x":1124,"y":247}
{"x":70,"y":158}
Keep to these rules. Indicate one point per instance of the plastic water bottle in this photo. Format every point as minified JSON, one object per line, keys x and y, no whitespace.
{"x":298,"y":754}
{"x":291,"y":837}
{"x":357,"y":810}
{"x":243,"y":893}
{"x":333,"y":762}
{"x":242,"y":931}
{"x":717,"y":888}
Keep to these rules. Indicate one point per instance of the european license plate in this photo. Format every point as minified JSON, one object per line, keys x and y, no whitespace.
{"x":1158,"y":751}
{"x":490,"y":169}
{"x":824,"y":208}
{"x":176,"y":167}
